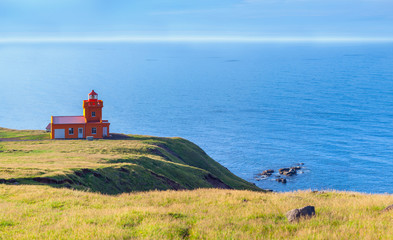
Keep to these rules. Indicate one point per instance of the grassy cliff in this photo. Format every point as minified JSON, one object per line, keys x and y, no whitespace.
{"x":41,"y":197}
{"x":130,"y":163}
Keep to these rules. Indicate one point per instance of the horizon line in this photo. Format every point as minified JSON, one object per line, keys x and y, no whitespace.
{"x":234,"y":39}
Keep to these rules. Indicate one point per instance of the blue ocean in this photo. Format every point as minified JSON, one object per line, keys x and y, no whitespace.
{"x":251,"y":107}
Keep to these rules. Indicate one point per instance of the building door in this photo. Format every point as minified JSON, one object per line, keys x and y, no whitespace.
{"x":59,"y":133}
{"x":80,"y":132}
{"x":104,"y":131}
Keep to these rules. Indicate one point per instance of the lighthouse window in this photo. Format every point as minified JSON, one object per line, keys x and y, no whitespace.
{"x":93,"y":114}
{"x":93,"y":130}
{"x":71,"y":131}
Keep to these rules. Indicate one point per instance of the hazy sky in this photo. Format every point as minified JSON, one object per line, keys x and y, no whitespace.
{"x":244,"y":18}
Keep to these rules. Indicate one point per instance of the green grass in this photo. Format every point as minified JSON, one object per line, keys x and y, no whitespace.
{"x":43,"y":212}
{"x":23,"y":134}
{"x":137,"y":163}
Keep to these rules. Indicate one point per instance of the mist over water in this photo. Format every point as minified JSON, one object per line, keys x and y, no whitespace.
{"x":251,"y":107}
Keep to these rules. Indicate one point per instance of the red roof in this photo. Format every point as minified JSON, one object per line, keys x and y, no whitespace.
{"x":93,"y":93}
{"x":68,"y":119}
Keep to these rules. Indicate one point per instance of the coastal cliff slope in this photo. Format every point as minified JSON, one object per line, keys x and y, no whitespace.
{"x":124,"y":163}
{"x":41,"y":197}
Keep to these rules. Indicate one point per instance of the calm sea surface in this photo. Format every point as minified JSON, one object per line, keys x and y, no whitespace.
{"x":249,"y":106}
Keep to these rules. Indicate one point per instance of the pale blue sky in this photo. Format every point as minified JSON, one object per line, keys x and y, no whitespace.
{"x":224,"y":18}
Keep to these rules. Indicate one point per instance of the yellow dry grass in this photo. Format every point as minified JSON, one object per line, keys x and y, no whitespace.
{"x":30,"y":158}
{"x":42,"y":212}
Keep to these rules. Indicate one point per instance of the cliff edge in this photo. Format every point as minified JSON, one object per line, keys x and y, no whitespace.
{"x":124,"y":163}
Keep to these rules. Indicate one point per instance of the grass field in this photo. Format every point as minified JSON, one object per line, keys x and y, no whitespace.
{"x":42,"y":212}
{"x":23,"y":134}
{"x":124,"y":189}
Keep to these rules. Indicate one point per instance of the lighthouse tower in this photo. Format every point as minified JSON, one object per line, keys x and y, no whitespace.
{"x":92,"y":111}
{"x":92,"y":108}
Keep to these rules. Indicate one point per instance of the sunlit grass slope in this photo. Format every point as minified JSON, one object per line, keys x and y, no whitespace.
{"x":23,"y":134}
{"x":135,"y":163}
{"x":42,"y":212}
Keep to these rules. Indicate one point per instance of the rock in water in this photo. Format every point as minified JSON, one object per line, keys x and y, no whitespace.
{"x":282,"y":170}
{"x":267,"y":172}
{"x":282,"y":180}
{"x":295,"y":214}
{"x":291,"y":172}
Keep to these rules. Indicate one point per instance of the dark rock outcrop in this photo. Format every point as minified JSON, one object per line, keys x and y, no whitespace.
{"x":173,"y":184}
{"x":48,"y":180}
{"x":267,"y":172}
{"x":287,"y":171}
{"x":216,"y":182}
{"x":291,"y":172}
{"x":281,"y":180}
{"x":9,"y":181}
{"x":388,"y":208}
{"x":296,"y":214}
{"x":283,"y":170}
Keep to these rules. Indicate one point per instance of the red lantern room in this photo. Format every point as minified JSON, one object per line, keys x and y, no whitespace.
{"x":93,"y":96}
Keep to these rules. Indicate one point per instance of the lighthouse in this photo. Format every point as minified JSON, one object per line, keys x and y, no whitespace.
{"x":92,"y":108}
{"x":88,"y":125}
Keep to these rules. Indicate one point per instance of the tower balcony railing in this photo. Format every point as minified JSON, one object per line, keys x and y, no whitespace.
{"x":88,"y":103}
